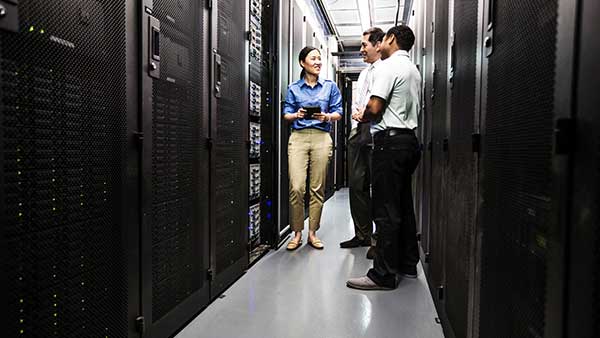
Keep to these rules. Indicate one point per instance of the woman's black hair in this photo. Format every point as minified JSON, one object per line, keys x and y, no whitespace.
{"x":303,"y":54}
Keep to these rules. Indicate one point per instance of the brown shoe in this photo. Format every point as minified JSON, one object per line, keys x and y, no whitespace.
{"x":316,"y":243}
{"x":293,"y":245}
{"x":365,"y":283}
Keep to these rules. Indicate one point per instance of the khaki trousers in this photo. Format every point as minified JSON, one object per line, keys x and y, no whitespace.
{"x":308,"y":148}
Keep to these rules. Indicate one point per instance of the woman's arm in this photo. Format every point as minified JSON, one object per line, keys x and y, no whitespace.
{"x":294,"y":116}
{"x":289,"y":107}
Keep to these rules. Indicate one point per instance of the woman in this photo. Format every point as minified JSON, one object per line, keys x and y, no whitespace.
{"x":310,"y":142}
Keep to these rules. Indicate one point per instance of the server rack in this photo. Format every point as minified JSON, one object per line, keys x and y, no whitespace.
{"x":229,"y":139}
{"x":518,"y":185}
{"x":174,"y":129}
{"x":439,"y":153}
{"x":263,"y":121}
{"x":462,"y":182}
{"x":67,"y":236}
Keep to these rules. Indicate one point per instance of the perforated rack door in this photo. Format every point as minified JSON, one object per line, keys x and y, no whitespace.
{"x":175,"y":115}
{"x":517,"y":169}
{"x":63,"y":122}
{"x":462,"y":176}
{"x":230,"y":153}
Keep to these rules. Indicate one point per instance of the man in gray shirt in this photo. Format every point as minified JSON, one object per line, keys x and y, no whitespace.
{"x":393,"y":111}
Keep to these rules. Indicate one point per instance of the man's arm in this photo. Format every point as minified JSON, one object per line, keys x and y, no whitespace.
{"x":374,"y":109}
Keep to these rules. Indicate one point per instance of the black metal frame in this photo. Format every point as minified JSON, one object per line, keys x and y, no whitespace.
{"x":583,"y":245}
{"x":564,"y":98}
{"x":132,"y":191}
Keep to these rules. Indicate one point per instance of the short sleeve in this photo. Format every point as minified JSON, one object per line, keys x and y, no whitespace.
{"x":335,"y":100}
{"x":289,"y":106}
{"x":383,"y":83}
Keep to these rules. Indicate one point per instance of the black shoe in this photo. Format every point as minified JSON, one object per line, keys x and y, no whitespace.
{"x":355,"y":242}
{"x":371,"y":253}
{"x":408,"y":272}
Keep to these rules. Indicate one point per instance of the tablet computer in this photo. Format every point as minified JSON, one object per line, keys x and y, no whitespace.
{"x":310,"y":111}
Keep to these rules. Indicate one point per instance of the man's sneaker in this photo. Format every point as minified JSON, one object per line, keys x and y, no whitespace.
{"x":408,"y":272}
{"x":371,"y":253}
{"x":365,"y":283}
{"x":355,"y":242}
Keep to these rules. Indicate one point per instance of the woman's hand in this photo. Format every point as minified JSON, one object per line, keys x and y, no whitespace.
{"x":323,"y":117}
{"x":294,"y":116}
{"x":300,"y":113}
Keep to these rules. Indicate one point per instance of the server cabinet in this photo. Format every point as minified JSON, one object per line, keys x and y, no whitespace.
{"x":229,"y":155}
{"x":461,"y":185}
{"x":66,"y":232}
{"x":263,"y":120}
{"x":517,"y":178}
{"x":175,"y":175}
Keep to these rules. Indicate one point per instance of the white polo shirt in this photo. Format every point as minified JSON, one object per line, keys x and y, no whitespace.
{"x":398,"y":81}
{"x":365,"y":79}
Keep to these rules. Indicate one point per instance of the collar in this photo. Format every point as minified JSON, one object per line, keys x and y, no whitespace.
{"x":401,"y":52}
{"x":303,"y":82}
{"x":374,"y":64}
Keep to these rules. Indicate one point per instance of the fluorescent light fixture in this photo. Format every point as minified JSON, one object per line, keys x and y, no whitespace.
{"x":365,"y":14}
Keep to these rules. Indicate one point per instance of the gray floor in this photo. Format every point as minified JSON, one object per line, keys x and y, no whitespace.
{"x":304,"y":294}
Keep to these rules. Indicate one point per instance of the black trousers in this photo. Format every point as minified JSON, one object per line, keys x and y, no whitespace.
{"x":359,"y":180}
{"x":396,"y":155}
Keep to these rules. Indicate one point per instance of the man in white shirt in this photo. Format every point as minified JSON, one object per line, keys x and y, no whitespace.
{"x":359,"y":146}
{"x":393,"y":111}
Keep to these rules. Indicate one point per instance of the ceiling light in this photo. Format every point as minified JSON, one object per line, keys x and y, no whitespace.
{"x":365,"y":14}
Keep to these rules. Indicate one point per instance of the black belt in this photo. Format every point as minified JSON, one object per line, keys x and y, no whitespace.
{"x":393,"y":132}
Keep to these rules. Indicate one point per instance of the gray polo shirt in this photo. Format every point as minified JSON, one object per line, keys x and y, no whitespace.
{"x":398,"y":81}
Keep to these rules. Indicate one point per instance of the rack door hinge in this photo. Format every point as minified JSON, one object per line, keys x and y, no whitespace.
{"x":446,"y":145}
{"x":140,"y":324}
{"x":209,"y":143}
{"x":564,"y":133}
{"x":249,"y":35}
{"x":209,"y":4}
{"x":476,"y":142}
{"x":209,"y":275}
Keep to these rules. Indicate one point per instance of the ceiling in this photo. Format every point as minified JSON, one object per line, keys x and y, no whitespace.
{"x":352,"y":17}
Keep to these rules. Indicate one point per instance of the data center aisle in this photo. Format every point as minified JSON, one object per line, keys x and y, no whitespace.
{"x":303,"y":294}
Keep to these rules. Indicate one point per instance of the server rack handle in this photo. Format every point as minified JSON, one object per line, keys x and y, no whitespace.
{"x":491,"y":14}
{"x":452,"y":60}
{"x":217,"y":77}
{"x":154,"y":47}
{"x":488,"y":41}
